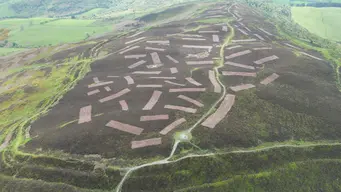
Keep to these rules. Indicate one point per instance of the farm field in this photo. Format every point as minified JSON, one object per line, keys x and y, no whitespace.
{"x":323,"y":22}
{"x":212,"y":96}
{"x":38,"y":32}
{"x":6,"y":51}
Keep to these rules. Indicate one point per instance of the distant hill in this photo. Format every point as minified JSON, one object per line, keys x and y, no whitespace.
{"x":33,"y":8}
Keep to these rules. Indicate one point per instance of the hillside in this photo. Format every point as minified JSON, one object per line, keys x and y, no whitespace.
{"x":56,"y":8}
{"x":200,"y":97}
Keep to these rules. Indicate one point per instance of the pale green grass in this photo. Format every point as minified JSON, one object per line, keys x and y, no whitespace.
{"x":7,"y":51}
{"x":15,"y":23}
{"x":317,"y":1}
{"x":324,"y":22}
{"x":71,"y":22}
{"x":49,"y":34}
{"x":31,"y":33}
{"x":91,"y":12}
{"x":5,"y":10}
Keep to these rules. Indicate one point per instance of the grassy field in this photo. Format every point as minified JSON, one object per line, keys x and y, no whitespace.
{"x":305,"y":1}
{"x":323,"y":22}
{"x":6,"y":51}
{"x":91,"y":12}
{"x":35,"y":32}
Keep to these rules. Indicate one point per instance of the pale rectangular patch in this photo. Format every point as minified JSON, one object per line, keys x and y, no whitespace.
{"x":224,"y":28}
{"x":187,"y":90}
{"x":147,"y":72}
{"x":162,"y":78}
{"x":266,"y":59}
{"x":197,"y":47}
{"x":199,"y":62}
{"x":240,"y":65}
{"x":238,"y":54}
{"x":100,"y":84}
{"x":262,"y":48}
{"x":107,"y":88}
{"x":243,"y":40}
{"x":192,"y":81}
{"x":287,"y":44}
{"x":215,"y":38}
{"x":215,"y":16}
{"x":152,"y":101}
{"x":155,"y":58}
{"x":242,"y":31}
{"x":172,"y":59}
{"x":266,"y":32}
{"x":6,"y":141}
{"x":259,"y":37}
{"x":155,"y":49}
{"x":166,"y":42}
{"x":211,"y":76}
{"x":193,"y":39}
{"x":136,"y":34}
{"x":244,"y":74}
{"x":203,"y":32}
{"x":221,"y":112}
{"x":129,"y":49}
{"x":93,"y":92}
{"x":242,"y":87}
{"x":181,"y":108}
{"x":193,"y":101}
{"x":172,"y":126}
{"x":270,"y":79}
{"x":124,"y":105}
{"x":146,"y":143}
{"x":247,"y":28}
{"x":311,"y":56}
{"x":134,"y":56}
{"x":154,"y":117}
{"x":173,"y":70}
{"x":154,"y":66}
{"x":185,"y":35}
{"x":173,"y":83}
{"x":149,"y":86}
{"x":96,"y":80}
{"x":124,"y":48}
{"x":129,"y":80}
{"x":234,"y":47}
{"x":135,"y":40}
{"x":114,"y":96}
{"x":124,"y":127}
{"x":85,"y":114}
{"x":137,"y":64}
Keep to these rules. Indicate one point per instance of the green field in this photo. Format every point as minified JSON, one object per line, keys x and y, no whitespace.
{"x":305,"y":1}
{"x":35,"y":32}
{"x":7,"y":51}
{"x":324,"y":22}
{"x":91,"y":12}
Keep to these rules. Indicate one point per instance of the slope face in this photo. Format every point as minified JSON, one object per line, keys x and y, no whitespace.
{"x":220,"y":95}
